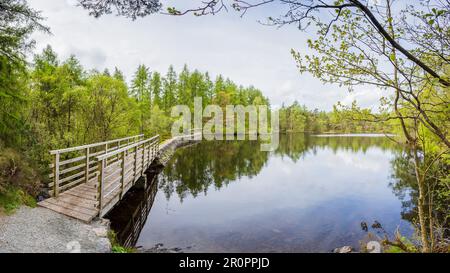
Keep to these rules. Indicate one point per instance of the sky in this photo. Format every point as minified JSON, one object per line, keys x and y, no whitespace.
{"x":239,"y":48}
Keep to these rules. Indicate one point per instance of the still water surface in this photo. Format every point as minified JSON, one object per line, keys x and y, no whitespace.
{"x":310,"y":195}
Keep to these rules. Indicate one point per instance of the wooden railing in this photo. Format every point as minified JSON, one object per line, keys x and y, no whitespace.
{"x":76,"y":165}
{"x":121,"y":168}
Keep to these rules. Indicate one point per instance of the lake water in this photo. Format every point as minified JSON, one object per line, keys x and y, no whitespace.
{"x":310,"y":195}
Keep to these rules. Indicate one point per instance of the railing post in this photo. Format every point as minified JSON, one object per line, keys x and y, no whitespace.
{"x":150,"y":154}
{"x":149,"y":159}
{"x":143,"y":158}
{"x":135,"y":163}
{"x":156,"y":147}
{"x":87,"y":165}
{"x":122,"y":179}
{"x":153,"y":152}
{"x":100,"y":184}
{"x":56,"y":175}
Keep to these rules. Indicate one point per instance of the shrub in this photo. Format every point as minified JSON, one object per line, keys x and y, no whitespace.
{"x":16,"y":172}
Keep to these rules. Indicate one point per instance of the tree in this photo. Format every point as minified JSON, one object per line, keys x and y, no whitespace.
{"x":142,"y":92}
{"x":107,"y":111}
{"x":128,"y":8}
{"x":54,"y":94}
{"x":140,"y":85}
{"x":360,"y":29}
{"x":304,"y":12}
{"x":118,"y":74}
{"x":12,"y":100}
{"x":156,"y":88}
{"x":183,"y":91}
{"x":169,"y":89}
{"x":208,"y":89}
{"x":17,"y":22}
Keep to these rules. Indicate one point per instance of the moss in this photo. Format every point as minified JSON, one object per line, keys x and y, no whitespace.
{"x":115,"y":245}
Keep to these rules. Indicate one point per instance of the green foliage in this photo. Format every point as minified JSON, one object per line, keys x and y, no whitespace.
{"x":128,"y":8}
{"x":17,"y":23}
{"x":140,"y":86}
{"x":401,"y":244}
{"x":297,"y":118}
{"x":156,"y":88}
{"x":107,"y":110}
{"x":12,"y":98}
{"x":115,"y":245}
{"x":19,"y":182}
{"x":12,"y":198}
{"x":394,"y":249}
{"x":17,"y":173}
{"x":191,"y":172}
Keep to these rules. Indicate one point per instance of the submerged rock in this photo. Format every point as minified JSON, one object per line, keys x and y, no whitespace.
{"x":159,"y":248}
{"x":344,"y":249}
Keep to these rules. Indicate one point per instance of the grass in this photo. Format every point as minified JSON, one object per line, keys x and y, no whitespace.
{"x":12,"y":198}
{"x":115,"y":245}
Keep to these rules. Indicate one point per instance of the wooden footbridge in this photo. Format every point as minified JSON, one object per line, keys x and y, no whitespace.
{"x":89,"y":180}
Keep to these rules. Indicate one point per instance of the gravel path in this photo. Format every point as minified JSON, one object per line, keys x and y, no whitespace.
{"x":42,"y":230}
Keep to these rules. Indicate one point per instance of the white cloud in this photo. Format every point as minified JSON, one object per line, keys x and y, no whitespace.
{"x":366,"y":98}
{"x":239,"y":48}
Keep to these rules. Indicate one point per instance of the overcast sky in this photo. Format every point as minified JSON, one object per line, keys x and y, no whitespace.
{"x":239,"y":48}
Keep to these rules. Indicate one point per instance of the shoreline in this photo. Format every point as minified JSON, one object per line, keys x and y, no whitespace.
{"x":40,"y":230}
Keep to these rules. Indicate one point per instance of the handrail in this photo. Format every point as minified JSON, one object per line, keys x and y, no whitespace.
{"x":121,"y":168}
{"x":71,"y":149}
{"x":63,"y":168}
{"x":118,"y":151}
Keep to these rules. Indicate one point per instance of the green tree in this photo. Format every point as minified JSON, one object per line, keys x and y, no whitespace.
{"x":169,"y":89}
{"x":129,"y":8}
{"x":142,"y":92}
{"x":17,"y":22}
{"x":54,"y":96}
{"x":183,"y":91}
{"x":108,"y":111}
{"x":156,"y":88}
{"x":140,"y":85}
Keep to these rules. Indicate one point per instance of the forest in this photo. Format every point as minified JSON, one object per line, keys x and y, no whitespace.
{"x":48,"y":103}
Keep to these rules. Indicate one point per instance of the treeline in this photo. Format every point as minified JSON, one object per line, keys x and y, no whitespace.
{"x":297,"y":118}
{"x":61,"y":104}
{"x":66,"y":105}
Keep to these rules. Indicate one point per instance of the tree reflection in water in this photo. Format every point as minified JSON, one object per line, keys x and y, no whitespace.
{"x":212,"y":165}
{"x":195,"y":169}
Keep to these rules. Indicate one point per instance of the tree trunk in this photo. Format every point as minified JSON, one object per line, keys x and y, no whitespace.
{"x":421,"y":202}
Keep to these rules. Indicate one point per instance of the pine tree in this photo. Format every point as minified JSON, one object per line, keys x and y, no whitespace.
{"x":183,"y":92}
{"x":118,"y":75}
{"x":141,"y":91}
{"x":140,"y":86}
{"x":156,"y":88}
{"x":169,"y":89}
